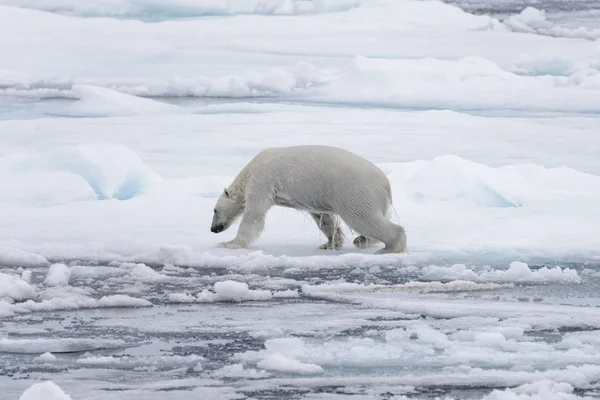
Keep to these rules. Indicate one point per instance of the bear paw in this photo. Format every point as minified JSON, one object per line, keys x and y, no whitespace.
{"x":330,"y":246}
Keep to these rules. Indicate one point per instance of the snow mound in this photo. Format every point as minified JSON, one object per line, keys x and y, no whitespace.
{"x":95,"y":101}
{"x":112,"y":171}
{"x":532,"y":20}
{"x":74,"y":173}
{"x":517,"y":272}
{"x":44,"y":391}
{"x":467,"y":84}
{"x":449,"y":177}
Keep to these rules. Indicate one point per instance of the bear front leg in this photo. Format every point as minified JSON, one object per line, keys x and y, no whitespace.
{"x":329,"y":225}
{"x":251,"y":225}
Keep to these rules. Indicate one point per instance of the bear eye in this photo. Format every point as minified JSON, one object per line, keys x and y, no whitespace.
{"x":215,"y":210}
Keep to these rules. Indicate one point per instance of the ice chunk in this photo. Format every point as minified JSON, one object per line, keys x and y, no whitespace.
{"x":492,"y":339}
{"x":532,"y":20}
{"x":26,"y":276}
{"x":428,"y":335}
{"x":539,"y":390}
{"x":286,"y":294}
{"x":44,"y":391}
{"x":238,"y":291}
{"x":142,"y":272}
{"x":58,"y":275}
{"x":15,"y":288}
{"x":517,"y":272}
{"x":279,"y":362}
{"x":95,"y":101}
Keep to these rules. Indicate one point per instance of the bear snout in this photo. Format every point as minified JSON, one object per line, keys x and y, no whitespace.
{"x":217,"y":229}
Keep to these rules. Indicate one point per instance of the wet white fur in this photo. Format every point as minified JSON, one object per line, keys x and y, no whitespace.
{"x":325,"y":181}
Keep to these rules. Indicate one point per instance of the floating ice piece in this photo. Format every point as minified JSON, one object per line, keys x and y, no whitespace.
{"x":231,"y":291}
{"x":63,"y":345}
{"x":143,"y":272}
{"x":15,"y":288}
{"x":517,"y":272}
{"x":279,"y":362}
{"x":238,"y":291}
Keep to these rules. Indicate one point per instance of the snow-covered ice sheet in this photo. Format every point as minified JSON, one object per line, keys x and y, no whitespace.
{"x":122,"y":121}
{"x":76,"y":189}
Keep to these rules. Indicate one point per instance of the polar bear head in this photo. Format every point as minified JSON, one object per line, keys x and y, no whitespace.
{"x":226,"y":211}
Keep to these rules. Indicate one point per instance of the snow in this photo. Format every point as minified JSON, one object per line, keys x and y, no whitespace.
{"x":122,"y":122}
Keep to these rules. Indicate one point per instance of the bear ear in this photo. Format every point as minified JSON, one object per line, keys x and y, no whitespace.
{"x":226,"y":193}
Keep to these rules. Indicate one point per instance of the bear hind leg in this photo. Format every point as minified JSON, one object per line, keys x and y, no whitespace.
{"x":379,"y":228}
{"x":329,"y":225}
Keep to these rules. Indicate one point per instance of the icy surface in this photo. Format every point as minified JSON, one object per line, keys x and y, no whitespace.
{"x":122,"y":122}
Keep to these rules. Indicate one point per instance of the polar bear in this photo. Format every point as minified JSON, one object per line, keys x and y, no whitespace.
{"x":328,"y":182}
